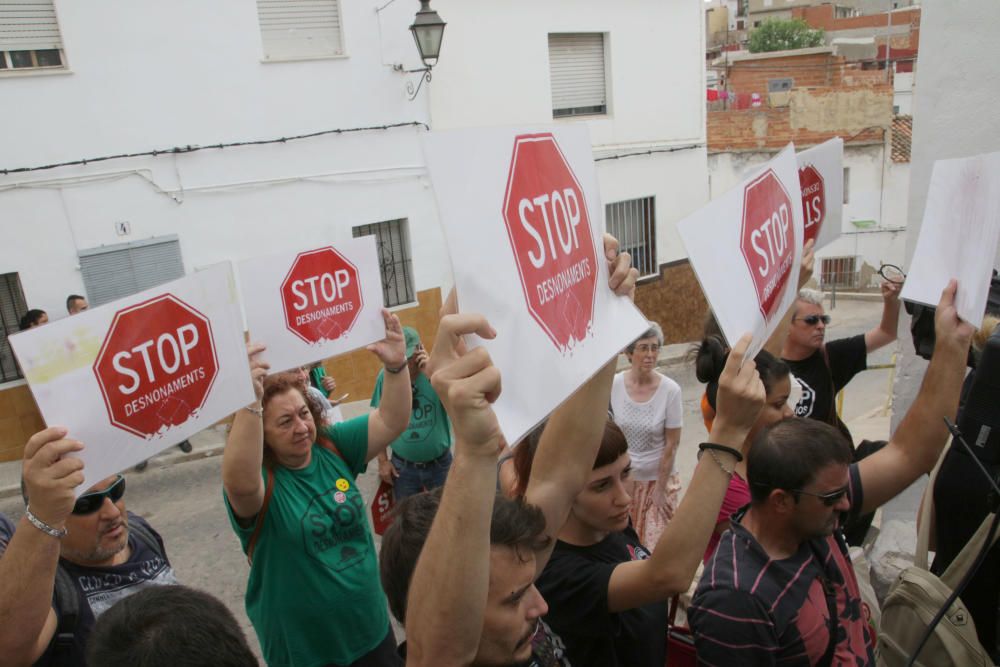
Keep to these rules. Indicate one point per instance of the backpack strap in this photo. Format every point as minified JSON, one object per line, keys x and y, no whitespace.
{"x":67,"y":602}
{"x":269,"y":491}
{"x":145,"y":535}
{"x":927,"y":515}
{"x":966,"y":558}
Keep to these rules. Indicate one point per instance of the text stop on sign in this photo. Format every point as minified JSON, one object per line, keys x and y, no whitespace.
{"x":156,"y":366}
{"x":545,"y":213}
{"x":321,"y":295}
{"x":813,"y":201}
{"x":767,"y":238}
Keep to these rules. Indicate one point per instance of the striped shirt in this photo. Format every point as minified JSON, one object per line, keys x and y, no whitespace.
{"x":752,"y":610}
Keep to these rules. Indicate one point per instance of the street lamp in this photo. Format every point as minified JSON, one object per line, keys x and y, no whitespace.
{"x":428,"y":29}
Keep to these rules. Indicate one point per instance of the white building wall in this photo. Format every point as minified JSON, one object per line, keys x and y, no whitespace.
{"x":959,"y":83}
{"x":874,"y":194}
{"x":494,"y":71}
{"x":902,"y":93}
{"x":148,"y":76}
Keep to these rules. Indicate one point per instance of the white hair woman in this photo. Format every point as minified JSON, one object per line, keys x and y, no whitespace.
{"x":647,"y":407}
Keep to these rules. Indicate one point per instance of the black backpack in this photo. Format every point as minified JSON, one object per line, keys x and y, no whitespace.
{"x":67,"y":599}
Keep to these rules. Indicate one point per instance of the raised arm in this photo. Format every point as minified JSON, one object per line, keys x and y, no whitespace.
{"x":244,"y":451}
{"x":448,"y":592}
{"x":681,"y":546}
{"x":885,"y":332}
{"x":28,"y":566}
{"x":917,"y":442}
{"x":392,"y":415}
{"x":572,"y":436}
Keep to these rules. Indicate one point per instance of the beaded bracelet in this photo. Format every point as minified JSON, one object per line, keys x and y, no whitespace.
{"x":57,"y":533}
{"x":254,"y":411}
{"x":715,"y":457}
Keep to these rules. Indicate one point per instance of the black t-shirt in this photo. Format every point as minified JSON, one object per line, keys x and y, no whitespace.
{"x":99,"y":588}
{"x":575,"y":586}
{"x":547,"y":650}
{"x":820,"y":384}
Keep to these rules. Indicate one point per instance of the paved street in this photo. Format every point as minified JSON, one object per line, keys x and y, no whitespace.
{"x":184,"y":501}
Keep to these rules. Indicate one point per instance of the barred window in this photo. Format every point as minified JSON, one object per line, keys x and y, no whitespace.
{"x":633,"y":223}
{"x":393,"y":241}
{"x":12,"y":307}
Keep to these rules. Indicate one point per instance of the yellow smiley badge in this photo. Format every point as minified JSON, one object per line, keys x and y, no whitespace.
{"x":342,"y":484}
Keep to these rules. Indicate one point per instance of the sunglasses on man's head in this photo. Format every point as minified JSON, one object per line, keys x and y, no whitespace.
{"x":89,"y":503}
{"x":813,"y":320}
{"x":828,"y":499}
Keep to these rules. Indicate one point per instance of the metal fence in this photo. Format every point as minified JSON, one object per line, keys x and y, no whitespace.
{"x":839,"y":272}
{"x":633,"y":223}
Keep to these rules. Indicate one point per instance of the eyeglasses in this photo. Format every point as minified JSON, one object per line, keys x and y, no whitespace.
{"x":828,"y":499}
{"x":89,"y":503}
{"x":892,"y":273}
{"x":647,"y":348}
{"x":813,"y":320}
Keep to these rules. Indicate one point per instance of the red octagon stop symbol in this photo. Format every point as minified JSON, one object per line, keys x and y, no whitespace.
{"x":321,"y":295}
{"x":767,"y":239}
{"x":545,"y":212}
{"x":156,"y":366}
{"x":813,"y":201}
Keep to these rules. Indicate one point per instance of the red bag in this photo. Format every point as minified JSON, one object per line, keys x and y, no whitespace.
{"x":382,"y":505}
{"x":680,"y":641}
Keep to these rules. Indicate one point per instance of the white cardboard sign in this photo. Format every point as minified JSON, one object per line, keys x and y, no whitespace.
{"x":959,"y":235}
{"x":524,"y":225}
{"x":135,"y":376}
{"x":314,"y":304}
{"x":746,"y":250}
{"x":821,"y":179}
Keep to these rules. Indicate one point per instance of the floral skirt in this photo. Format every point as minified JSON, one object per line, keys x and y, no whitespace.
{"x":650,"y":517}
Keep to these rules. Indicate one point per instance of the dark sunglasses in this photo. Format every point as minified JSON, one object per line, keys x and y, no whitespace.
{"x":89,"y":503}
{"x":828,"y":499}
{"x":813,"y":320}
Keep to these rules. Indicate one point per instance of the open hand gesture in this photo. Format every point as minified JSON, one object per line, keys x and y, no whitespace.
{"x":391,"y":350}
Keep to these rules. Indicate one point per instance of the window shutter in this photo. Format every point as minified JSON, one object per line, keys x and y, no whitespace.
{"x":27,"y":25}
{"x":576,"y":64}
{"x":110,"y":274}
{"x":299,"y":28}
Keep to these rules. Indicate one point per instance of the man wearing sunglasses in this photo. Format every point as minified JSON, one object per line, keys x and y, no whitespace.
{"x":69,"y":559}
{"x":780,"y":588}
{"x":822,"y":369}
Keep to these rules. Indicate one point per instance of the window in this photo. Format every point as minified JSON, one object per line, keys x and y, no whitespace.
{"x":846,"y":12}
{"x":116,"y":271}
{"x":12,"y":308}
{"x":576,"y":65}
{"x":779,"y":85}
{"x":838,"y":272}
{"x":847,"y":181}
{"x":29,"y":35}
{"x":294,"y":29}
{"x":393,"y":241}
{"x":633,"y":223}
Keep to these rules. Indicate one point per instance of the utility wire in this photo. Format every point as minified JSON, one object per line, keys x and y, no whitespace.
{"x":193,"y":149}
{"x":672,"y":149}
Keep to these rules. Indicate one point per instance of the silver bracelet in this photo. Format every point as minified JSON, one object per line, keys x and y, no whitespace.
{"x":715,"y":457}
{"x":57,"y":533}
{"x":255,"y":411}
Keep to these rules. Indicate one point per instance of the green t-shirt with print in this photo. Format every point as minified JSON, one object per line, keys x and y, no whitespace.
{"x":429,"y":434}
{"x":313,"y":594}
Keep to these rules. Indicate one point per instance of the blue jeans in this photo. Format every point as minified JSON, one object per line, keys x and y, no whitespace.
{"x":416,"y":477}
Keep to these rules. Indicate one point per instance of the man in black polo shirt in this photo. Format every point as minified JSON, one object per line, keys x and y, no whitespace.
{"x":822,"y":369}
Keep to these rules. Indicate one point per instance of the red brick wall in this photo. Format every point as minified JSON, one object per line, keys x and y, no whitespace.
{"x":822,"y":17}
{"x":818,"y":69}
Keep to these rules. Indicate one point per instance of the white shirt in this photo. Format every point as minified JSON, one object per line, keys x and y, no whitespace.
{"x":643,"y":423}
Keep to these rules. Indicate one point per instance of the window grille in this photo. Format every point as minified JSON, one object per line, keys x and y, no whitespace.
{"x":393,"y":241}
{"x":633,"y":223}
{"x":838,"y":272}
{"x":12,"y":307}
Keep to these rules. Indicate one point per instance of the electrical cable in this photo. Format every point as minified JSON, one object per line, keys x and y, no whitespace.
{"x":672,"y":149}
{"x":193,"y":149}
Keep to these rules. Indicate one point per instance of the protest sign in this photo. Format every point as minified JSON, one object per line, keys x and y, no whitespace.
{"x":525,"y":235}
{"x":135,"y":376}
{"x":959,"y":235}
{"x":746,"y":250}
{"x":318,"y":303}
{"x":821,"y":179}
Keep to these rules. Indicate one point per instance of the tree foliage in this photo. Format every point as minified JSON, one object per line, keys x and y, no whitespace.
{"x":780,"y":35}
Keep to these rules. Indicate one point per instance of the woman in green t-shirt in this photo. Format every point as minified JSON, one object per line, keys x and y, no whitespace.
{"x":313,"y":593}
